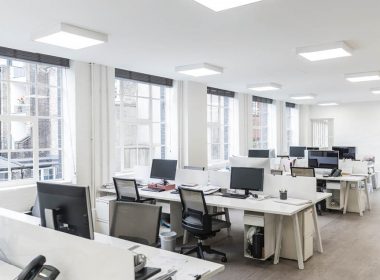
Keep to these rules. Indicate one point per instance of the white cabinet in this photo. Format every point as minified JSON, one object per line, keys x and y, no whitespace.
{"x":105,"y":206}
{"x":306,"y":224}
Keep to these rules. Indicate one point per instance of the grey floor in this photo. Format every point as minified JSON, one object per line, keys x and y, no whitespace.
{"x":351,"y":250}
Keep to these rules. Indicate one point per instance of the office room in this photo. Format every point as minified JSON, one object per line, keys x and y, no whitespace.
{"x":189,"y":139}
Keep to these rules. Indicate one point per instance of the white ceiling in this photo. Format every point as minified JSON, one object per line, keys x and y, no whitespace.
{"x":254,"y":43}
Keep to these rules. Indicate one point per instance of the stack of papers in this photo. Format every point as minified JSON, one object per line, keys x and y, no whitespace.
{"x":206,"y":189}
{"x":293,"y":201}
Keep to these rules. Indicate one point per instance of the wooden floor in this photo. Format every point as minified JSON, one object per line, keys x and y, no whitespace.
{"x":351,"y":250}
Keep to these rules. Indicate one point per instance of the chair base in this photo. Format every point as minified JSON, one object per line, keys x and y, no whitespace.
{"x":200,"y":249}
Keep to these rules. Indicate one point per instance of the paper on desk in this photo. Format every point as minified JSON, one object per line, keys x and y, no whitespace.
{"x":185,"y":269}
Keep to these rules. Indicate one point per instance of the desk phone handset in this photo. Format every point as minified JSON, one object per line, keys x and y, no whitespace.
{"x":36,"y":270}
{"x":336,"y":172}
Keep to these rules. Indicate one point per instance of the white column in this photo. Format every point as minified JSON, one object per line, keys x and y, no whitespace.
{"x":194,"y":124}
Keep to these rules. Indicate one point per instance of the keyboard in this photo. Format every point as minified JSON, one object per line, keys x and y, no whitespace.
{"x":235,"y":195}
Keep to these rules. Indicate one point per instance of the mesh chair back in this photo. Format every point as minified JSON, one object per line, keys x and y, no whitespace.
{"x":137,"y":222}
{"x":195,"y":216}
{"x":126,"y":189}
{"x":303,"y":171}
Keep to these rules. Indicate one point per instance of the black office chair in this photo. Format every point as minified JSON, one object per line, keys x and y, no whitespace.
{"x":302,"y":171}
{"x":194,"y":168}
{"x":127,"y":191}
{"x":127,"y":222}
{"x":197,"y":221}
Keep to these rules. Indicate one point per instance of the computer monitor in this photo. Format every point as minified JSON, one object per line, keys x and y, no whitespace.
{"x":66,"y":208}
{"x":312,"y":148}
{"x":297,"y":151}
{"x":345,"y":152}
{"x":323,"y":159}
{"x":261,"y":153}
{"x":236,"y":161}
{"x":248,"y":179}
{"x":163,"y":169}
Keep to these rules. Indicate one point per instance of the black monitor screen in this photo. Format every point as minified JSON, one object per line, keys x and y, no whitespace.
{"x":163,"y":169}
{"x":323,"y":159}
{"x":346,"y":152}
{"x":297,"y":151}
{"x":69,"y":206}
{"x":249,"y":179}
{"x":258,"y":153}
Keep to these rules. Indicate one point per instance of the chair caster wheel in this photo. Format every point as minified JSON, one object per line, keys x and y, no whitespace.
{"x":224,"y":259}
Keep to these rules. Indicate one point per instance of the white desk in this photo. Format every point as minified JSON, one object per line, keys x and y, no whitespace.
{"x":8,"y":272}
{"x":268,"y":206}
{"x":348,"y":181}
{"x":186,"y":266}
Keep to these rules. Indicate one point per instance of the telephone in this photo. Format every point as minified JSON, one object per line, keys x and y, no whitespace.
{"x":336,"y":172}
{"x":36,"y":270}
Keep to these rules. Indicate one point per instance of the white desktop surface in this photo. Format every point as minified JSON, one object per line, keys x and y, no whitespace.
{"x":8,"y":272}
{"x":344,"y":178}
{"x":186,"y":266}
{"x":264,"y":206}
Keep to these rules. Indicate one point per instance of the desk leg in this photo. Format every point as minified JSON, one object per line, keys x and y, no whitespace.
{"x":185,"y":237}
{"x":297,"y":237}
{"x":317,"y":230}
{"x":367,"y":194}
{"x":227,"y":215}
{"x":278,"y":239}
{"x":346,"y":197}
{"x":359,"y":198}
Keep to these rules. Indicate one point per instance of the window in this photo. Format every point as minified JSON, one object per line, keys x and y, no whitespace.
{"x":31,"y":131}
{"x":291,"y":125}
{"x":144,"y":123}
{"x":262,"y":124}
{"x":220,"y":111}
{"x":321,"y":130}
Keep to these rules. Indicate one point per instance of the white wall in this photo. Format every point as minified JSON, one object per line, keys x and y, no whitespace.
{"x":194,"y":124}
{"x":355,"y":124}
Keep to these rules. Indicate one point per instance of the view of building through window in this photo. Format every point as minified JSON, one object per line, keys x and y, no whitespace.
{"x":143,"y":113}
{"x":292,"y":126}
{"x":263,"y":120}
{"x":31,"y":131}
{"x":219,"y":127}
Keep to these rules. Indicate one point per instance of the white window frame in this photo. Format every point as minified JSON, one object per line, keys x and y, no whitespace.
{"x":325,"y":130}
{"x":220,"y":126}
{"x":292,"y":126}
{"x":271,"y":141}
{"x":149,"y":122}
{"x":34,"y":122}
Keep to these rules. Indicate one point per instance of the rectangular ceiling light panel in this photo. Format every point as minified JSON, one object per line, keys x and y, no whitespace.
{"x":221,"y":5}
{"x":71,"y":37}
{"x":264,"y":87}
{"x":199,"y":70}
{"x":303,"y":97}
{"x":363,"y":77}
{"x":324,"y":52}
{"x":328,"y":104}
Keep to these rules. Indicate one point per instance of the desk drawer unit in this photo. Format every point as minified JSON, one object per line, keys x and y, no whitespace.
{"x":105,"y":206}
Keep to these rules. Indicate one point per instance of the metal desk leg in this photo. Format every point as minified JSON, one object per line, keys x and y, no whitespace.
{"x":346,"y":197}
{"x":317,"y":230}
{"x":297,"y":237}
{"x":185,"y":237}
{"x":227,"y":215}
{"x":278,"y":239}
{"x":367,"y":194}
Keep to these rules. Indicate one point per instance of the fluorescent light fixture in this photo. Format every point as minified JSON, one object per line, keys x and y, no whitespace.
{"x":328,"y":104}
{"x":363,"y":77}
{"x":303,"y":97}
{"x":323,"y":52}
{"x":220,"y":5}
{"x":71,"y":37}
{"x":375,"y":90}
{"x":264,"y":87}
{"x":198,"y":70}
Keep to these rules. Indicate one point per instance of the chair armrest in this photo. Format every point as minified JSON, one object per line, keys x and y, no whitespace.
{"x":217,"y":214}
